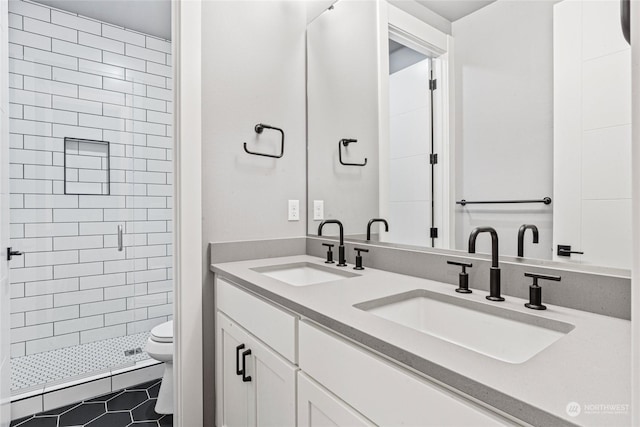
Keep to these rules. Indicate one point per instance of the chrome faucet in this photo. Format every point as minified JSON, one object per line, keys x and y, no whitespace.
{"x":523,"y":228}
{"x":494,"y":272}
{"x":342,"y":262}
{"x":374,"y":220}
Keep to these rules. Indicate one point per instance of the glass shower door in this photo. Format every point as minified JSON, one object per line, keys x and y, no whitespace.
{"x":153,"y":193}
{"x":71,"y":164}
{"x":68,"y":215}
{"x":5,"y":409}
{"x":90,"y":198}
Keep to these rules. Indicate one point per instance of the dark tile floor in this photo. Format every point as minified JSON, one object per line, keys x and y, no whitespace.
{"x":133,"y":406}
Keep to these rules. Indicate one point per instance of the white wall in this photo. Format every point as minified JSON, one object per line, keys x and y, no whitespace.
{"x":424,"y":14}
{"x":503,"y":61}
{"x":77,"y":77}
{"x":253,"y":71}
{"x":343,"y":103}
{"x":592,"y":133}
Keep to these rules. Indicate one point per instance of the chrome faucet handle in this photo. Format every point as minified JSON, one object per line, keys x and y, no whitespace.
{"x":535,"y":291}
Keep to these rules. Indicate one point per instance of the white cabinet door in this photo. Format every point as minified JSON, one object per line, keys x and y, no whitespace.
{"x":255,"y":386}
{"x":233,"y":393}
{"x":274,"y":387}
{"x":317,"y":407}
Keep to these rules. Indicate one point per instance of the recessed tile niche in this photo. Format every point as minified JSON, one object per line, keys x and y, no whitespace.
{"x":86,"y":167}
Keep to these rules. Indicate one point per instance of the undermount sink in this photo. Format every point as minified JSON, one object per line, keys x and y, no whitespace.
{"x":303,"y":273}
{"x":500,"y":333}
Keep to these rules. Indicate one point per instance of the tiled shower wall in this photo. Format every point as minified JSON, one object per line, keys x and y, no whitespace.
{"x":592,"y":144}
{"x":80,"y":78}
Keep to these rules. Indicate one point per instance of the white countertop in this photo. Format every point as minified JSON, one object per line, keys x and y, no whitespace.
{"x":591,"y":365}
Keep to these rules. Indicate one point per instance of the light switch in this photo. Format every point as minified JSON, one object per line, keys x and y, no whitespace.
{"x":318,"y":210}
{"x":294,"y":210}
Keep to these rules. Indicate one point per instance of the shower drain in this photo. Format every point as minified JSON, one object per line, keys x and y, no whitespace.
{"x":133,"y":351}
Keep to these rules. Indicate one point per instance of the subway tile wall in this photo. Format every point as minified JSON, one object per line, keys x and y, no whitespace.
{"x":81,"y":78}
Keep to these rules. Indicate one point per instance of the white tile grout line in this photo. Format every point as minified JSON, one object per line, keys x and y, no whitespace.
{"x":46,"y":370}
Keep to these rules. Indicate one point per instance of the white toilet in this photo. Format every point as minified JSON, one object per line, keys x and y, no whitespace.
{"x":160,"y":347}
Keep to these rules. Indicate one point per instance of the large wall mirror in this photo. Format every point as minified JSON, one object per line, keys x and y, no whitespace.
{"x":517,"y":112}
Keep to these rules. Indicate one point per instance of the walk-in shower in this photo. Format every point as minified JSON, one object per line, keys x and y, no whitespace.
{"x":90,"y":196}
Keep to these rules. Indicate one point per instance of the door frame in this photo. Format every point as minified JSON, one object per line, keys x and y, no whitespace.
{"x":405,"y":28}
{"x":635,"y":202}
{"x":187,"y":212}
{"x":5,"y":357}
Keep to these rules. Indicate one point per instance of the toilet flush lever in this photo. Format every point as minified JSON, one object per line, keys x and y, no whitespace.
{"x":120,"y":244}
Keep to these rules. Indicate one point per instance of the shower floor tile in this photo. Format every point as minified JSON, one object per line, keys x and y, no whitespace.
{"x":118,"y":409}
{"x":57,"y":366}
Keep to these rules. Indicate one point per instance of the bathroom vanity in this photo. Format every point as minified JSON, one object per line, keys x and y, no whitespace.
{"x":466,"y":136}
{"x":300,"y":342}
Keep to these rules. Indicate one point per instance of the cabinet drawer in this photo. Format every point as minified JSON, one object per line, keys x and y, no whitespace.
{"x":317,"y":407}
{"x":270,"y":324}
{"x":382,"y":392}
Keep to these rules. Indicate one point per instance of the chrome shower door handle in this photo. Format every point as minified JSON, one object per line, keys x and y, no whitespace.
{"x":120,"y":245}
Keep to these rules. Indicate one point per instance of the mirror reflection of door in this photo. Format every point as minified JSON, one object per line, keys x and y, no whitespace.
{"x":410,"y":145}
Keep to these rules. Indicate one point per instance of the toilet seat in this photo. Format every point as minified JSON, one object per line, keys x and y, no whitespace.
{"x":163,"y":333}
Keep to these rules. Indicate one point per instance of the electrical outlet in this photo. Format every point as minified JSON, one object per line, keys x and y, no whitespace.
{"x":294,"y":210}
{"x":318,"y":210}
